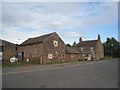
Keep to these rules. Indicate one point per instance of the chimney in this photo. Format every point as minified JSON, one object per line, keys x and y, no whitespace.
{"x":80,"y":40}
{"x":99,"y":37}
{"x":74,"y":44}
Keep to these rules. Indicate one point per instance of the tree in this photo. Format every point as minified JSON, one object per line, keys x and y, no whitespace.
{"x":112,"y":47}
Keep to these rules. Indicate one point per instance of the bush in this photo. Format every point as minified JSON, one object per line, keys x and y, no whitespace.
{"x":81,"y":60}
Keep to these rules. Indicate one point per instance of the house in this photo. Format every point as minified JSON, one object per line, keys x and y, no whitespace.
{"x":43,"y":49}
{"x":91,"y":50}
{"x":7,"y":50}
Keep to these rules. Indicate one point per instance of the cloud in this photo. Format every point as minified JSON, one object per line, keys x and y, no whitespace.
{"x":17,"y":36}
{"x":18,"y":18}
{"x":70,"y":35}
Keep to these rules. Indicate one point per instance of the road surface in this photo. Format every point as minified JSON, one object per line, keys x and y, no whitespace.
{"x":91,"y":74}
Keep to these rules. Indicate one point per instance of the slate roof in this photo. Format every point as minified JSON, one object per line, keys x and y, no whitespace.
{"x":71,"y":50}
{"x":90,"y":43}
{"x":36,"y":40}
{"x":6,"y":44}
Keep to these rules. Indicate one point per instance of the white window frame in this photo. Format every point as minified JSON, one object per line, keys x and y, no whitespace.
{"x":91,"y":49}
{"x":89,"y":55}
{"x":82,"y":48}
{"x":55,"y":43}
{"x":50,"y":56}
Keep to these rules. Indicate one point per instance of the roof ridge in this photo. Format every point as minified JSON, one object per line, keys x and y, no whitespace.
{"x":41,"y":35}
{"x":38,"y":39}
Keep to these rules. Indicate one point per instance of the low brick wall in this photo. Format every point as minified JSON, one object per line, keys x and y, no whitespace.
{"x":72,"y":57}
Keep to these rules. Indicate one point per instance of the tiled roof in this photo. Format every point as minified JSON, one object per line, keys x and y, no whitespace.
{"x":90,"y":43}
{"x":36,"y":40}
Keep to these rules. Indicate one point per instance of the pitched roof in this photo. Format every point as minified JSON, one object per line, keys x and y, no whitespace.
{"x":36,"y":40}
{"x":90,"y":43}
{"x":6,"y":44}
{"x":71,"y":50}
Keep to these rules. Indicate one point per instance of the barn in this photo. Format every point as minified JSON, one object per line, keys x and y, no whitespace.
{"x":43,"y":49}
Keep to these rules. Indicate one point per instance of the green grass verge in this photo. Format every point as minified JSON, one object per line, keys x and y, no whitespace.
{"x":107,"y":58}
{"x":65,"y":62}
{"x":9,"y":65}
{"x":24,"y":62}
{"x":20,"y":63}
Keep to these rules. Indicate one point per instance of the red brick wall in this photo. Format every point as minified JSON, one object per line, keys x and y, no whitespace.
{"x":9,"y":53}
{"x":39,"y":52}
{"x":58,"y":53}
{"x":31,"y":52}
{"x":73,"y":57}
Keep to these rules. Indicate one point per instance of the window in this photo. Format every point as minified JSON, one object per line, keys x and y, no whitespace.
{"x":55,"y":52}
{"x":50,"y":56}
{"x":59,"y":56}
{"x":83,"y":55}
{"x":82,"y":48}
{"x":89,"y":55}
{"x":71,"y":55}
{"x":91,"y":49}
{"x":55,"y":43}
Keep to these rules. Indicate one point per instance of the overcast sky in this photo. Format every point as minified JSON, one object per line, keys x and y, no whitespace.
{"x":72,"y":20}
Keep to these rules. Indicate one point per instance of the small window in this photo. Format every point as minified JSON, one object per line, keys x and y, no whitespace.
{"x":50,"y":56}
{"x":91,"y":49}
{"x":71,"y":55}
{"x":82,"y":48}
{"x":55,"y":43}
{"x":89,"y":55}
{"x":83,"y":55}
{"x":59,"y":56}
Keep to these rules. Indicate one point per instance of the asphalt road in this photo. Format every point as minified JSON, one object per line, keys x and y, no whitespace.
{"x":92,"y":74}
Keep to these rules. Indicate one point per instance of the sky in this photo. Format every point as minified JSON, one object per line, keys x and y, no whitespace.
{"x":70,"y":20}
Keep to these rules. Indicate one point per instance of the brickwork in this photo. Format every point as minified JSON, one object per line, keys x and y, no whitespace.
{"x":40,"y":52}
{"x":50,"y":48}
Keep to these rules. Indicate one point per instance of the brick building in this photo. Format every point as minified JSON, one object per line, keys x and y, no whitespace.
{"x":71,"y":54}
{"x":7,"y":50}
{"x":51,"y":48}
{"x":44,"y":49}
{"x":91,"y":50}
